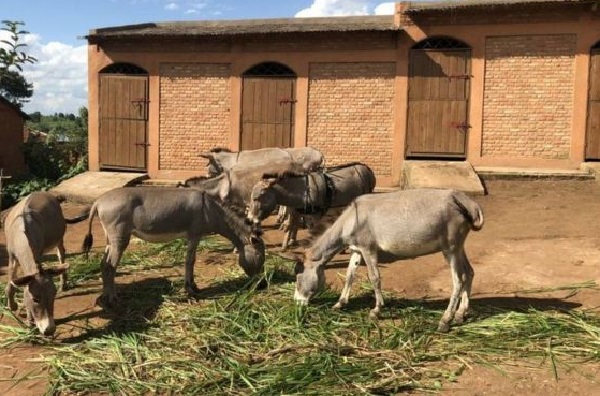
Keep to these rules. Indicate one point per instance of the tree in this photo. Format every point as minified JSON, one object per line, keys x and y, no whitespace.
{"x":13,"y":85}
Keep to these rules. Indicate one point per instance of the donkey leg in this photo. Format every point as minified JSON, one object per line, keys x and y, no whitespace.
{"x":110,"y":260}
{"x":290,"y":228}
{"x":456,"y":268}
{"x":293,"y":231}
{"x":281,"y":213}
{"x":10,"y":288}
{"x":190,"y":260}
{"x":468,"y":274}
{"x":64,"y":276}
{"x":373,"y":270}
{"x":352,"y":266}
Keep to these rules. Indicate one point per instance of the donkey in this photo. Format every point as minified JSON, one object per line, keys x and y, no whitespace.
{"x":300,"y":159}
{"x":34,"y":226}
{"x":160,"y":214}
{"x":234,"y":186}
{"x":395,"y":226}
{"x":309,"y":194}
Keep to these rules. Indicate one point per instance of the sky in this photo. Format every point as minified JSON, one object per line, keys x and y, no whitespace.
{"x":57,"y":29}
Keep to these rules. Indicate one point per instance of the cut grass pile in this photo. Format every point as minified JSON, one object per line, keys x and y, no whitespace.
{"x":238,"y":340}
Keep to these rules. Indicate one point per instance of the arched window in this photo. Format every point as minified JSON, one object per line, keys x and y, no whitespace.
{"x":269,"y":69}
{"x":441,"y":43}
{"x":123,"y":68}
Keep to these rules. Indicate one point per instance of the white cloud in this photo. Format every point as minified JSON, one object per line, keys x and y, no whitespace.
{"x":171,"y":7}
{"x":335,"y":8}
{"x":345,"y":8}
{"x":195,"y":7}
{"x":385,"y":9}
{"x":59,"y":76}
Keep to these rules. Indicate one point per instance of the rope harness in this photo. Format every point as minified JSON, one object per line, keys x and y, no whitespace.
{"x":309,"y":206}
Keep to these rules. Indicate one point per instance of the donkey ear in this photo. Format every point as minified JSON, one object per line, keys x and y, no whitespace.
{"x":208,"y":156}
{"x":55,"y":271}
{"x":298,"y":267}
{"x":23,"y":280}
{"x":256,"y":239}
{"x":269,"y":181}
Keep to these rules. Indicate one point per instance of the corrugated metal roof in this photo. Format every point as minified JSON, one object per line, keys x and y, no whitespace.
{"x":248,"y":26}
{"x":423,"y":6}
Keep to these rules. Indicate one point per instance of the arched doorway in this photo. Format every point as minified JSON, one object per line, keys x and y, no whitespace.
{"x":268,"y":99}
{"x":592,"y":140}
{"x":438,"y":99}
{"x":123,"y":117}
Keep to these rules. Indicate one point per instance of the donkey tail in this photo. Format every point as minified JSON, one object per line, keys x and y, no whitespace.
{"x":470,"y":209}
{"x":89,"y":238}
{"x":78,"y":218}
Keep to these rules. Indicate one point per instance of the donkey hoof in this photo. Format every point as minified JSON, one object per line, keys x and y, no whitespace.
{"x":374,"y":314}
{"x":105,"y":302}
{"x":443,"y":327}
{"x":192,"y":289}
{"x":337,"y":306}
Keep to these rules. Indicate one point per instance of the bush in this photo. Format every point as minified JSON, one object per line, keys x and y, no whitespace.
{"x":15,"y":190}
{"x":48,"y":166}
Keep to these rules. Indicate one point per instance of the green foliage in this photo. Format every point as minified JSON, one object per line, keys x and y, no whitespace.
{"x":46,"y":161}
{"x":62,"y":157}
{"x":12,"y":192}
{"x":13,"y":85}
{"x":68,"y":129}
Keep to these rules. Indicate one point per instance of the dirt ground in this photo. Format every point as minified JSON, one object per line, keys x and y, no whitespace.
{"x":537,"y":234}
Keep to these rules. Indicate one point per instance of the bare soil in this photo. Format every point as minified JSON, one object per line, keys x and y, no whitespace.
{"x":537,"y":234}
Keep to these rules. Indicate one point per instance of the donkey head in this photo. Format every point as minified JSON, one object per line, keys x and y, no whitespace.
{"x":310,"y":278}
{"x":38,"y":297}
{"x":213,"y":168}
{"x":262,"y":200}
{"x":252,"y":258}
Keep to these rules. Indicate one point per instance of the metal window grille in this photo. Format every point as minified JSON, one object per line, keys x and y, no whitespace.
{"x":270,"y":69}
{"x":441,"y":43}
{"x":123,"y":68}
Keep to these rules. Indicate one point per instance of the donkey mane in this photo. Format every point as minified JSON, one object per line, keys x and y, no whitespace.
{"x":333,"y":168}
{"x":234,"y":218}
{"x":340,"y":166}
{"x":193,"y":179}
{"x":220,"y":150}
{"x":282,"y":175}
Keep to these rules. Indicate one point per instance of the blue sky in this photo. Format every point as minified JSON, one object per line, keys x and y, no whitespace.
{"x":56,"y":28}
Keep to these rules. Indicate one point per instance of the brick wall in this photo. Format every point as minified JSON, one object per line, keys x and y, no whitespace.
{"x":194,"y":113}
{"x":528,"y":96}
{"x":350,"y":113}
{"x":11,"y":141}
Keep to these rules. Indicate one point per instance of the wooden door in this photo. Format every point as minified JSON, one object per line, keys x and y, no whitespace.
{"x":267,"y":112}
{"x":123,"y":121}
{"x":438,"y":103}
{"x":592,"y":144}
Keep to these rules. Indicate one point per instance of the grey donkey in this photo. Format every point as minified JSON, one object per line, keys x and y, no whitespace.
{"x":34,"y":226}
{"x":298,"y":159}
{"x":160,"y":214}
{"x":382,"y":228}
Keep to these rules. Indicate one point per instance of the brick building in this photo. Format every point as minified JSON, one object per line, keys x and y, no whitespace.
{"x":12,"y":126}
{"x":498,"y":83}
